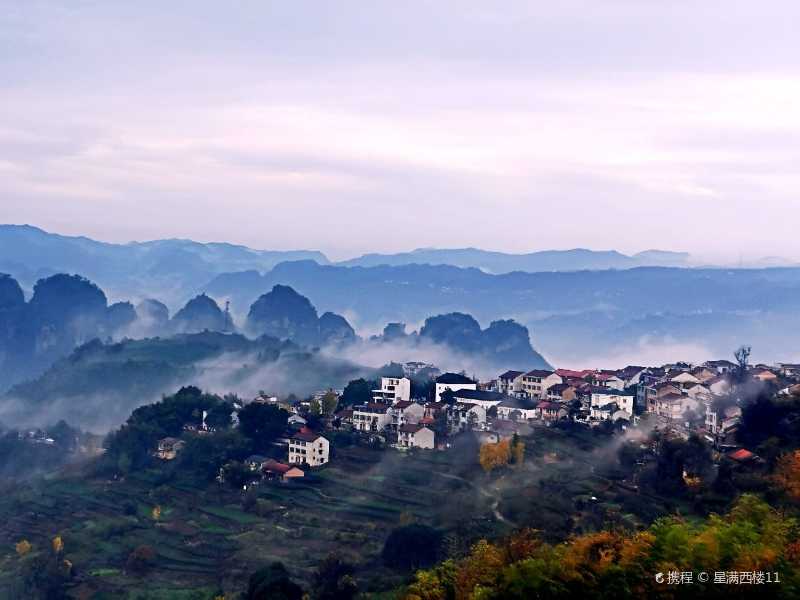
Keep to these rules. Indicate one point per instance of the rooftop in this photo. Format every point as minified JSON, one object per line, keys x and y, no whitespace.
{"x":479,"y":395}
{"x":305,"y":435}
{"x":453,"y":378}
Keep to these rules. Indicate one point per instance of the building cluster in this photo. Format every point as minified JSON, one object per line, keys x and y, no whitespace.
{"x":685,"y":397}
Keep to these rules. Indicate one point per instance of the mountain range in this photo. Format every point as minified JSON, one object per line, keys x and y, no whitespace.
{"x":579,"y":305}
{"x":577,"y":259}
{"x":69,"y":311}
{"x":174,"y":269}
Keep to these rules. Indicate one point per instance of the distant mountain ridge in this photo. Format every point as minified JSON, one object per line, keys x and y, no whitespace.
{"x":175,"y":269}
{"x":577,"y":259}
{"x":172,"y":267}
{"x":576,"y":314}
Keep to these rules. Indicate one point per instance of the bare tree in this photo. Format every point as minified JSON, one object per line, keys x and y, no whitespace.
{"x":742,"y":356}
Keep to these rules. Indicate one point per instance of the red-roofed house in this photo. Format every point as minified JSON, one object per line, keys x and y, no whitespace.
{"x":308,"y":447}
{"x":272,"y":469}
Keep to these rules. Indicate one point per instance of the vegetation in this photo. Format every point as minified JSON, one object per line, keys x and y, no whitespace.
{"x":752,"y":537}
{"x":412,"y":546}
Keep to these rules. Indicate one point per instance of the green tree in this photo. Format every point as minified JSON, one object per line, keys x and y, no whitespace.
{"x":329,"y":403}
{"x":262,"y":423}
{"x":334,"y":579}
{"x":357,"y":391}
{"x":272,"y":583}
{"x":412,"y":546}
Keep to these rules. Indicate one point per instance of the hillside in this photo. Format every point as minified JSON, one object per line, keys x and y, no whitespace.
{"x":99,"y":384}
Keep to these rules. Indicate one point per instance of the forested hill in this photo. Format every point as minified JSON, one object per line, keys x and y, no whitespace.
{"x":99,"y":384}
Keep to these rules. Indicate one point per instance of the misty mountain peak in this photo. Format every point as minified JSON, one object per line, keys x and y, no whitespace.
{"x":11,"y":295}
{"x":335,"y":330}
{"x":285,"y":314}
{"x":199,"y":314}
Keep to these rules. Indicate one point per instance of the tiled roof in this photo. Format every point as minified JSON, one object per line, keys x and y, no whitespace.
{"x":411,"y":427}
{"x":275,"y":466}
{"x":305,"y":435}
{"x":479,"y":395}
{"x":510,"y":375}
{"x":539,"y":373}
{"x":453,"y":378}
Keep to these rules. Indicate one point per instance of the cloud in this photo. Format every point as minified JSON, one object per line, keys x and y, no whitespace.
{"x":283,"y":125}
{"x":646,"y":351}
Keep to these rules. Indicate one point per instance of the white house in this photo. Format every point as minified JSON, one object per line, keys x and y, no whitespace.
{"x":393,"y":389}
{"x":631,"y":375}
{"x":684,"y":378}
{"x":602,"y":397}
{"x":536,"y":382}
{"x":415,"y":436}
{"x":453,"y":382}
{"x":310,"y":448}
{"x":720,"y":366}
{"x":516,"y":409}
{"x":609,"y":380}
{"x":371,"y":417}
{"x":404,"y":412}
{"x":673,"y":406}
{"x":464,"y":416}
{"x":482,"y":398}
{"x":510,"y":382}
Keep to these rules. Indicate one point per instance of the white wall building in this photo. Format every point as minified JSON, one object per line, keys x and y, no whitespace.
{"x":510,"y":382}
{"x":605,"y":396}
{"x":535,"y":383}
{"x":310,"y":448}
{"x":416,"y":436}
{"x":393,"y":389}
{"x":453,"y":382}
{"x":405,"y":412}
{"x":371,"y":417}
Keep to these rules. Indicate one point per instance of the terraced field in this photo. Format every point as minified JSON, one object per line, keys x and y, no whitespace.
{"x":206,"y":543}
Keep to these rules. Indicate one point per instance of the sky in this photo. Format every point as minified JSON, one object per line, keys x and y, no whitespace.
{"x":383,"y":126}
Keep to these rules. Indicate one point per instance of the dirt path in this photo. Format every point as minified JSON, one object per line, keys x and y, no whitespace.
{"x":493,"y":496}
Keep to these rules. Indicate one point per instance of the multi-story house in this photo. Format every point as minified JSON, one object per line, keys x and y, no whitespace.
{"x":416,"y":436}
{"x":535,"y":383}
{"x":510,"y":383}
{"x":453,"y":382}
{"x":405,"y":412}
{"x":308,"y":447}
{"x":602,"y":397}
{"x":393,"y":389}
{"x":374,"y":417}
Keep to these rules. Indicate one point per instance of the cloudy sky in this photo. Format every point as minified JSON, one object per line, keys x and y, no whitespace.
{"x":382,"y":126}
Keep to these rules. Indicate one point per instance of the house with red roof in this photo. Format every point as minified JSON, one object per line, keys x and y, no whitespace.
{"x":307,"y":447}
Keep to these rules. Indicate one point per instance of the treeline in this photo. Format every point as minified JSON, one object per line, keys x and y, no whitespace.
{"x":131,"y":447}
{"x":751,"y":538}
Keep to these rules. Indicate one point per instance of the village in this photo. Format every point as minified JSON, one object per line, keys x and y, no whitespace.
{"x":425,"y":410}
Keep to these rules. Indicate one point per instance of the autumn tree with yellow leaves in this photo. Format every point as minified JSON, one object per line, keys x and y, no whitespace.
{"x":493,"y":456}
{"x":752,"y":537}
{"x":23,"y":547}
